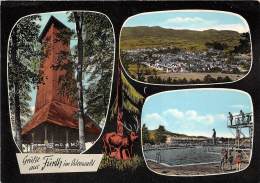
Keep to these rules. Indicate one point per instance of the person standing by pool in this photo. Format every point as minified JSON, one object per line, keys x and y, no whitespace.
{"x":238,"y":160}
{"x":214,"y":136}
{"x":230,"y":118}
{"x":224,"y":157}
{"x":230,"y":159}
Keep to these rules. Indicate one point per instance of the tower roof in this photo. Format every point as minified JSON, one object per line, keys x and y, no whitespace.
{"x":62,"y":115}
{"x":51,"y":21}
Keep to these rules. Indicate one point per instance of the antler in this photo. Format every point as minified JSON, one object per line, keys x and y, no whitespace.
{"x":134,"y":126}
{"x":130,"y":130}
{"x":137,"y":124}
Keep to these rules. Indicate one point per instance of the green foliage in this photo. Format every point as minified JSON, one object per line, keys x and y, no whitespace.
{"x":92,"y":61}
{"x":132,"y":70}
{"x":130,"y":91}
{"x":114,"y":108}
{"x":145,"y":135}
{"x":150,"y":37}
{"x":152,"y":76}
{"x":161,"y":129}
{"x":207,"y":79}
{"x":131,"y":98}
{"x":121,"y":165}
{"x":216,"y":45}
{"x":66,"y":61}
{"x":24,"y":55}
{"x":155,"y":136}
{"x":160,"y":135}
{"x":130,"y":107}
{"x":97,"y":65}
{"x":244,"y":44}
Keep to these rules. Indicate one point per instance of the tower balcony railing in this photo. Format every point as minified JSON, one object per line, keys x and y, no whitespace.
{"x":240,"y":120}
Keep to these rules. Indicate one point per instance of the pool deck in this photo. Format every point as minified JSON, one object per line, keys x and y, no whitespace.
{"x":201,"y":169}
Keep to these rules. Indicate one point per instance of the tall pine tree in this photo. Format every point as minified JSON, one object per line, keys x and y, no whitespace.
{"x":24,"y":58}
{"x":131,"y":100}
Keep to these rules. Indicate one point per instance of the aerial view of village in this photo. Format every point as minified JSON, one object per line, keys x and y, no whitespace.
{"x":59,"y":86}
{"x":185,"y":47}
{"x":200,"y":132}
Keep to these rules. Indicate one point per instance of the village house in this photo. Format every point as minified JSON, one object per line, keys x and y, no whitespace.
{"x":187,"y":61}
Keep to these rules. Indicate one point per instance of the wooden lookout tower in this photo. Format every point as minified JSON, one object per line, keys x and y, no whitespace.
{"x":54,"y":120}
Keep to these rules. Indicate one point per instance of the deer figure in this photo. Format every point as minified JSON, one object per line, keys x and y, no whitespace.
{"x":114,"y":142}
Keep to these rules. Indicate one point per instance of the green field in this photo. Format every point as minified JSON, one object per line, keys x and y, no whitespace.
{"x":132,"y":69}
{"x":189,"y":76}
{"x":197,"y":75}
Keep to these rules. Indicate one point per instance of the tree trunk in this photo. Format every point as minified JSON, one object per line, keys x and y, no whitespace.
{"x":16,"y":91}
{"x":17,"y":115}
{"x":120,"y":129}
{"x":78,"y":21}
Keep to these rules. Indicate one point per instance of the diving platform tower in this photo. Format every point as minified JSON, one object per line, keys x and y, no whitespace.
{"x":240,"y":124}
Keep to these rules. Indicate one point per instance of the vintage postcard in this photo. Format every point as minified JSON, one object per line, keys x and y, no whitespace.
{"x":130,"y":91}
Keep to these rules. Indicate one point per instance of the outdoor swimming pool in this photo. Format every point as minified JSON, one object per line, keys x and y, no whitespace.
{"x":184,"y":156}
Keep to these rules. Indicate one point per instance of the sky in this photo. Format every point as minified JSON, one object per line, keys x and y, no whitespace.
{"x":193,"y":20}
{"x":195,"y":111}
{"x":62,"y":17}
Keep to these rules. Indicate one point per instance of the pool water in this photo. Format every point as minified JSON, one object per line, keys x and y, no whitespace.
{"x":184,"y":156}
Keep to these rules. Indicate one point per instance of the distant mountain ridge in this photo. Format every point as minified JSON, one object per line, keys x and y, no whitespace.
{"x":171,"y":134}
{"x":156,"y":36}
